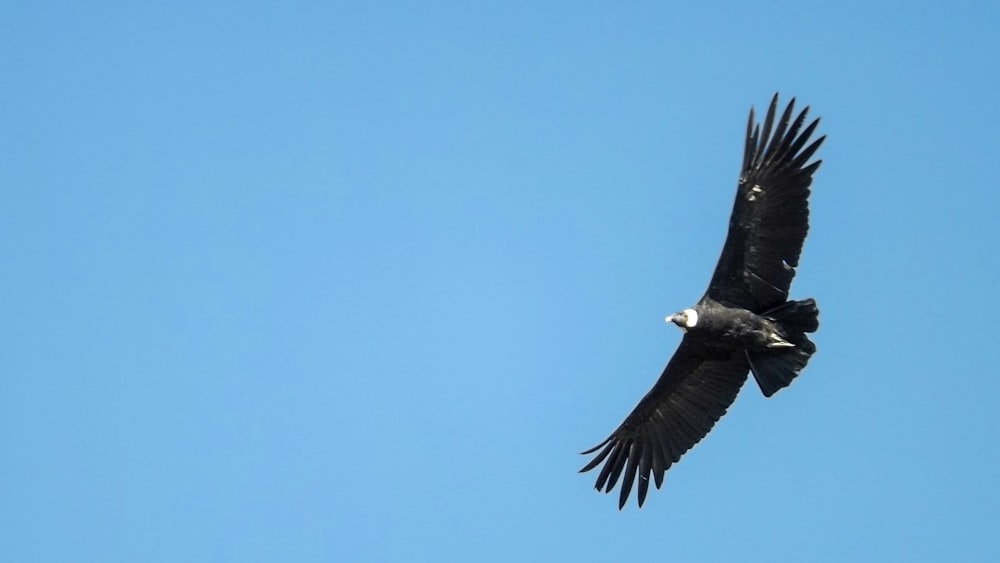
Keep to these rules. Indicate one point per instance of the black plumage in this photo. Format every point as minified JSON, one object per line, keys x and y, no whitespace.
{"x":743,"y":323}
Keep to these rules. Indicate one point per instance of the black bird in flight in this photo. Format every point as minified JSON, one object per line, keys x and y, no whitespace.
{"x":744,"y":322}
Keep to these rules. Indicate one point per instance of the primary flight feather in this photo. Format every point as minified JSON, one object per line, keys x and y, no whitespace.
{"x":744,"y":322}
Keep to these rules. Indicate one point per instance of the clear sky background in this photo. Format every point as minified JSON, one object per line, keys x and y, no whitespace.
{"x":314,"y":281}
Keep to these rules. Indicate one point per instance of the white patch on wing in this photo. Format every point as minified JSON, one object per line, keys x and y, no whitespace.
{"x":776,"y":341}
{"x":692,"y":318}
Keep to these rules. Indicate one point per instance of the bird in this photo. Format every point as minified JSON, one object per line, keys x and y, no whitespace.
{"x":744,"y":323}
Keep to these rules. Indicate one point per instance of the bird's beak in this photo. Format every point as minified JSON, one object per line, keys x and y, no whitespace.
{"x":671,"y":319}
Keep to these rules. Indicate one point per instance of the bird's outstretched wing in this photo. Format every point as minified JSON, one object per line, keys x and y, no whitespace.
{"x":693,"y":392}
{"x":771,"y":215}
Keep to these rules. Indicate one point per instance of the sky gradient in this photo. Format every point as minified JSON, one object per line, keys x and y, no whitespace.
{"x":357,"y":281}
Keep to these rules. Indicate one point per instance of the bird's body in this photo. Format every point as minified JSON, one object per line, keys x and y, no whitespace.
{"x":744,"y":322}
{"x":726,"y":329}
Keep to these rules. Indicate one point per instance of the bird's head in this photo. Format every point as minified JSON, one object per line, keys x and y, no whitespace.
{"x":688,"y":318}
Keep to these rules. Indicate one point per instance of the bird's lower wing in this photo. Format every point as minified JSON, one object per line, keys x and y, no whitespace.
{"x":693,"y":392}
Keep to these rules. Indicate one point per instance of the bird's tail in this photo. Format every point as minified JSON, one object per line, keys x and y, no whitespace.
{"x":774,"y":368}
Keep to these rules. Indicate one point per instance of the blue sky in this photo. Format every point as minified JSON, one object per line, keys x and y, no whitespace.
{"x":357,"y":281}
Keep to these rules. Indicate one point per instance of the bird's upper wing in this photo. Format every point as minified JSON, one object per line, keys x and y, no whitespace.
{"x":693,"y":392}
{"x":771,"y":215}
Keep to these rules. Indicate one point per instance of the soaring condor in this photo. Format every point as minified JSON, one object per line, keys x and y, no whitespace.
{"x":744,"y":322}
